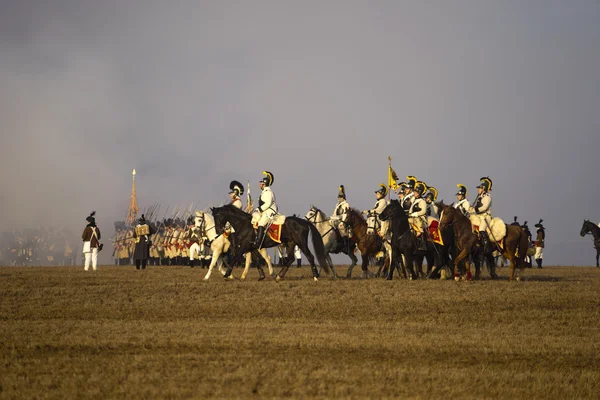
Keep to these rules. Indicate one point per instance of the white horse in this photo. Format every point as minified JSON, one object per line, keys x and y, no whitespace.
{"x":330,"y":237}
{"x":381,"y":228}
{"x":220,"y":244}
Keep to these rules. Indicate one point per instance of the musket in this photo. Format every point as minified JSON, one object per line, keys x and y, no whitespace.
{"x":249,"y":205}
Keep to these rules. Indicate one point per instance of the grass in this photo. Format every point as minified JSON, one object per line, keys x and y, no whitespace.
{"x":164,"y":333}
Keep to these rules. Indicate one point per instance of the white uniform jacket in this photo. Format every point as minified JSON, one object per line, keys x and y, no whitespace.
{"x":266,"y":202}
{"x":463,"y":206}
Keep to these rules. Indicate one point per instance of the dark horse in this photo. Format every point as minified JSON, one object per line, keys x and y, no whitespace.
{"x":590,"y":227}
{"x":294,"y":231}
{"x":515,"y":243}
{"x":369,"y":244}
{"x":404,"y":242}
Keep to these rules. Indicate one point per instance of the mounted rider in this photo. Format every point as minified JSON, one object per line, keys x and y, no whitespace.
{"x":377,"y":209}
{"x":418,"y":212}
{"x":339,"y":214}
{"x":483,"y":209}
{"x":237,"y":190}
{"x":267,"y":207}
{"x":430,"y":199}
{"x":409,"y":195}
{"x":462,"y":204}
{"x":400,"y":191}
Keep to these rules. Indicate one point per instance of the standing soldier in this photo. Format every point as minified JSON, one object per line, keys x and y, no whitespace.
{"x":91,"y":242}
{"x":483,"y":209}
{"x":267,"y":207}
{"x":539,"y":243}
{"x":462,"y":204}
{"x":298,"y":256}
{"x":194,"y":235}
{"x":142,"y":234}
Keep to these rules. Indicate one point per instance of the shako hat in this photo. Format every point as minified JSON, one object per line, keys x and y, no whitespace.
{"x":539,"y":224}
{"x":383,"y":190}
{"x":268,"y":179}
{"x":142,"y":220}
{"x":91,"y":218}
{"x":237,"y":188}
{"x":342,"y":192}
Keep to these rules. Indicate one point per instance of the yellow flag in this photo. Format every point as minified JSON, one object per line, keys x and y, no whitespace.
{"x":392,"y":178}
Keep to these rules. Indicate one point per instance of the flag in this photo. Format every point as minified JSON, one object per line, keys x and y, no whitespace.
{"x":133,"y":207}
{"x":392,"y":178}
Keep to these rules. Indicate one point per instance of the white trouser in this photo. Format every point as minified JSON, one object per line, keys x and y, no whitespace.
{"x":93,"y":255}
{"x":265,"y":217}
{"x":483,"y":222}
{"x":538,"y":253}
{"x":196,"y":250}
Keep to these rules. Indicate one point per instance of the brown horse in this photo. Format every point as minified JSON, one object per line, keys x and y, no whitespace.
{"x":514,"y":246}
{"x":369,"y":244}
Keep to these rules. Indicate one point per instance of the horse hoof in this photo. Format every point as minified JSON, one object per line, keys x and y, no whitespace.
{"x":242,"y":278}
{"x":518,"y":279}
{"x":277,"y":279}
{"x":457,"y":278}
{"x":231,"y":277}
{"x":262,"y":278}
{"x":316,"y":279}
{"x":205,"y":279}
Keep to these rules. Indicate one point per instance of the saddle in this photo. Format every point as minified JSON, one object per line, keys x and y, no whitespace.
{"x":496,"y":228}
{"x":435,"y":235}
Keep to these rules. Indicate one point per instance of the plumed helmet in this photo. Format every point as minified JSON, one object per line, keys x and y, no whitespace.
{"x":411,"y":181}
{"x":420,"y":187}
{"x":539,"y":224}
{"x":142,"y":219}
{"x":268,"y":179}
{"x":237,"y":188}
{"x":342,"y":192}
{"x":432,"y":193}
{"x":383,"y":190}
{"x":402,"y":185}
{"x":91,"y":218}
{"x":462,"y":190}
{"x":486,"y":183}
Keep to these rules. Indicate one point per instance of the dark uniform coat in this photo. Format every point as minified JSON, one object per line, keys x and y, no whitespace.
{"x":142,"y":246}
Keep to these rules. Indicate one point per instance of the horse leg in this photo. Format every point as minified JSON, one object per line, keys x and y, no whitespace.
{"x":289,"y":259}
{"x":597,"y":256}
{"x":265,"y":254}
{"x":247,"y":265}
{"x":213,"y":261}
{"x":303,"y":246}
{"x":365,"y":267}
{"x":462,"y":255}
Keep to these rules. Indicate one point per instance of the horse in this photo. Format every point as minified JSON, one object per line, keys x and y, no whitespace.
{"x":591,"y":228}
{"x":368,"y":243}
{"x":514,"y":246}
{"x":404,"y":242}
{"x":294,"y":231}
{"x":330,"y":237}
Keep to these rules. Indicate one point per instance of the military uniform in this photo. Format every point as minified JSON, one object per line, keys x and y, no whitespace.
{"x":483,"y":209}
{"x":539,"y":243}
{"x":91,"y":239}
{"x":194,"y":234}
{"x":418,"y":212}
{"x":141,"y":235}
{"x":267,"y":207}
{"x":237,"y":190}
{"x":430,"y":198}
{"x":462,"y":204}
{"x":409,"y":195}
{"x":380,"y":227}
{"x":339,"y":213}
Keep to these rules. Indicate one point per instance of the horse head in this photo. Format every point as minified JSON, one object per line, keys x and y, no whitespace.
{"x":354,"y":218}
{"x":311,"y":215}
{"x":585,"y":229}
{"x":391,"y":210}
{"x":447,"y":214}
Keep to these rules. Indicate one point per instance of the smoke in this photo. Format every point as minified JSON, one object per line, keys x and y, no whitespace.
{"x":194,"y":95}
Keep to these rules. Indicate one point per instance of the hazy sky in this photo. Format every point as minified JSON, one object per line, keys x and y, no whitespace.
{"x":194,"y":94}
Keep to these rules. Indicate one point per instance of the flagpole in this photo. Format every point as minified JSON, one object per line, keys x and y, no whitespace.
{"x":389,"y":172}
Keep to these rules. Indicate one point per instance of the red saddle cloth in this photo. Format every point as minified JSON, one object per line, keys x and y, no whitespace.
{"x":434,"y":232}
{"x":274,"y":232}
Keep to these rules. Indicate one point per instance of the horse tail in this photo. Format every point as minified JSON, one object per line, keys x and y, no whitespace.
{"x":319,"y":247}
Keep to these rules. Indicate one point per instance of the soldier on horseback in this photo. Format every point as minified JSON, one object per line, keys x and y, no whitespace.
{"x":409,"y":195}
{"x":237,"y":190}
{"x":267,"y":207}
{"x":463,"y":204}
{"x":418,"y":212}
{"x":338,"y":216}
{"x":430,"y":198}
{"x":483,"y":209}
{"x":378,"y":208}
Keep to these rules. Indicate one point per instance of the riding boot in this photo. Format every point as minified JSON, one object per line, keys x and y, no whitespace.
{"x":423,"y":242}
{"x":298,"y":263}
{"x":259,"y":237}
{"x":539,"y":262}
{"x":485,"y":241}
{"x":192,"y":263}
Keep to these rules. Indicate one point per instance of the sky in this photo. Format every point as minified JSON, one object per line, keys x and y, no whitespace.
{"x":193,"y":94}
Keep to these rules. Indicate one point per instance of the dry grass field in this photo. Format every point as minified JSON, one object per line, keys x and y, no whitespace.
{"x":164,"y":333}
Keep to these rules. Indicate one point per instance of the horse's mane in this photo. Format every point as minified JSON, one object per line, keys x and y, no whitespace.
{"x":358,"y":213}
{"x":595,"y":229}
{"x":233,"y":210}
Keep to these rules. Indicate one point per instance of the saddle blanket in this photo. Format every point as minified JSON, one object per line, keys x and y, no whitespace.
{"x":274,"y":232}
{"x":496,"y":228}
{"x":433,"y":225}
